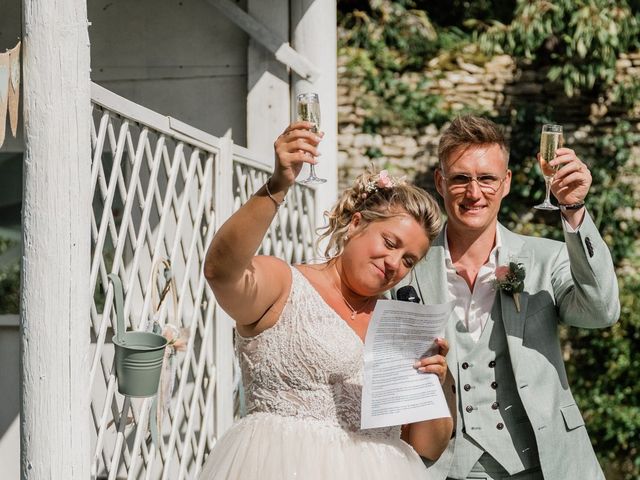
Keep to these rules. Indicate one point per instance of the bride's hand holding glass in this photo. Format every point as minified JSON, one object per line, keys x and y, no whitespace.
{"x":297,"y":145}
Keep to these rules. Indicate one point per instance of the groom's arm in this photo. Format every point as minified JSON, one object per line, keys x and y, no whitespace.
{"x":583,"y":276}
{"x":584,"y":280}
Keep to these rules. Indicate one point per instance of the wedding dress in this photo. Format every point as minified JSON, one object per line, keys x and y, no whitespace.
{"x":303,"y":382}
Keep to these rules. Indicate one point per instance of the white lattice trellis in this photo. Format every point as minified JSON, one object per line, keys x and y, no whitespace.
{"x":160,"y":188}
{"x":291,"y":237}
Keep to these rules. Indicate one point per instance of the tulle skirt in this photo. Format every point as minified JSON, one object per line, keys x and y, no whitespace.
{"x":269,"y":447}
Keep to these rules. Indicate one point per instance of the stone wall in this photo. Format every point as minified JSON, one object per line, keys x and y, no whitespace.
{"x":497,"y":87}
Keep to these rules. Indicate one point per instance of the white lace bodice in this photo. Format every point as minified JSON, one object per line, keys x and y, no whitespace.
{"x":308,"y":365}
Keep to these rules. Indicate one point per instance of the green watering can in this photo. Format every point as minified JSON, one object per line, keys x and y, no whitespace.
{"x":138,"y":355}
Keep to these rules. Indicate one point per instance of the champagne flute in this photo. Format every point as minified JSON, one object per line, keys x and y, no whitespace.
{"x":308,"y":107}
{"x":550,"y":140}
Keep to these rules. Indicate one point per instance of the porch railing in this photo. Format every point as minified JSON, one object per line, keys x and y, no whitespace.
{"x":160,"y":190}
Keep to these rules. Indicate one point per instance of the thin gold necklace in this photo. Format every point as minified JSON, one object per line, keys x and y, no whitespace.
{"x":354,"y":312}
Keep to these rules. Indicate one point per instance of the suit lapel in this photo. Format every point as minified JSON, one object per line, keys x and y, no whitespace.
{"x":431,"y":282}
{"x":513,"y":320}
{"x":430,"y":275}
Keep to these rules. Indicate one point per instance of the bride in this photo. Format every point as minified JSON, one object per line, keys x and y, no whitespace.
{"x":300,"y":330}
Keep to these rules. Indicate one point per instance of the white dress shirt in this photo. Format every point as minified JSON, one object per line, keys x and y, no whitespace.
{"x":474,"y":307}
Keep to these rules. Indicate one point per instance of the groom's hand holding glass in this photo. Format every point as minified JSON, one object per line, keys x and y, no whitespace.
{"x":570,"y":185}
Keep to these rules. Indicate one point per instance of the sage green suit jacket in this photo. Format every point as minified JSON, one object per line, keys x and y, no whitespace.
{"x":571,"y":283}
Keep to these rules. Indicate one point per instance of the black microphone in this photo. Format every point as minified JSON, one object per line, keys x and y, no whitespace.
{"x":408,"y":294}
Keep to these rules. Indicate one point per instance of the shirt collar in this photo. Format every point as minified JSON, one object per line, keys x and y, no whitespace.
{"x":494,"y":256}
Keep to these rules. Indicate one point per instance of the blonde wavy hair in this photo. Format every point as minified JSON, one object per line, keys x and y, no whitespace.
{"x":376,"y":196}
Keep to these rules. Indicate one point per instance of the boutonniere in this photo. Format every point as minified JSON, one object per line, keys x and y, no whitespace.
{"x":510,"y":279}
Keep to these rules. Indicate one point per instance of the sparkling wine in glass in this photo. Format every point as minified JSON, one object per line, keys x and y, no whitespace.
{"x":550,"y":141}
{"x":308,"y":107}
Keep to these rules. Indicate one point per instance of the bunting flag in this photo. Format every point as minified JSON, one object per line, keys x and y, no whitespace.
{"x":14,"y":88}
{"x":9,"y":90}
{"x":5,"y":72}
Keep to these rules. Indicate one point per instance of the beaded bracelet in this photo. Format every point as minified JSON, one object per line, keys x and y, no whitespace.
{"x":571,"y":206}
{"x":278,"y":204}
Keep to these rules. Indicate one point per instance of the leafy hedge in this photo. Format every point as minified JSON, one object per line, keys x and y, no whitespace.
{"x":580,"y":39}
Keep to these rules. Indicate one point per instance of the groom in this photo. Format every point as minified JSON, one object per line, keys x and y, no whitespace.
{"x":516,"y":416}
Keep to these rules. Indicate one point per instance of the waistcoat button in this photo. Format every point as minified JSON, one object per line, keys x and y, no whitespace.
{"x":469,"y":409}
{"x":494,"y":385}
{"x":495,"y":405}
{"x":500,"y":426}
{"x":492,"y":364}
{"x":467,"y":387}
{"x":453,"y":388}
{"x":465,"y":365}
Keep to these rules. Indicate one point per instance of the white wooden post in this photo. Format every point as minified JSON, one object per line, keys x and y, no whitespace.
{"x":56,"y":216}
{"x":314,"y":36}
{"x":268,"y":108}
{"x":224,"y":353}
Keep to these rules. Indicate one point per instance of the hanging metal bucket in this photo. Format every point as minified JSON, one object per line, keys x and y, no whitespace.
{"x":138,"y":355}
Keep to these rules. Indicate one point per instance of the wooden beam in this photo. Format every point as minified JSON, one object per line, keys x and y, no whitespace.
{"x":9,"y":320}
{"x":271,"y":41}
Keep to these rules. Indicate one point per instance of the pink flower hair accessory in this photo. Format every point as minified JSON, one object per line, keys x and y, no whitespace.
{"x":381,"y":181}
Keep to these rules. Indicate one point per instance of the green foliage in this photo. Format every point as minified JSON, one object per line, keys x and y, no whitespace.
{"x":457,"y":12}
{"x":612,"y":196}
{"x":626,"y":92}
{"x":373,"y":153}
{"x":605,"y":373}
{"x":9,"y":281}
{"x":393,"y":101}
{"x":386,"y":44}
{"x":580,"y":40}
{"x":391,"y":34}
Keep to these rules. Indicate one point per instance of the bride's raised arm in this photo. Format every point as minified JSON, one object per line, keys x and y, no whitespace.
{"x":247,"y":286}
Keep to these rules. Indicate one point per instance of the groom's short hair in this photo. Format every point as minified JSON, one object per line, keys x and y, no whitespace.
{"x":469,"y":130}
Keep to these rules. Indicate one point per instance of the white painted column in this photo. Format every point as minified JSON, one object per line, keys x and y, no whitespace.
{"x":224,"y":353}
{"x":56,"y":215}
{"x":314,"y":35}
{"x":268,"y":100}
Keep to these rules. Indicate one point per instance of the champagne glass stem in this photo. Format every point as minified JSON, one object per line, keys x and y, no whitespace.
{"x":547,"y":184}
{"x":313,"y":178}
{"x":547,"y":205}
